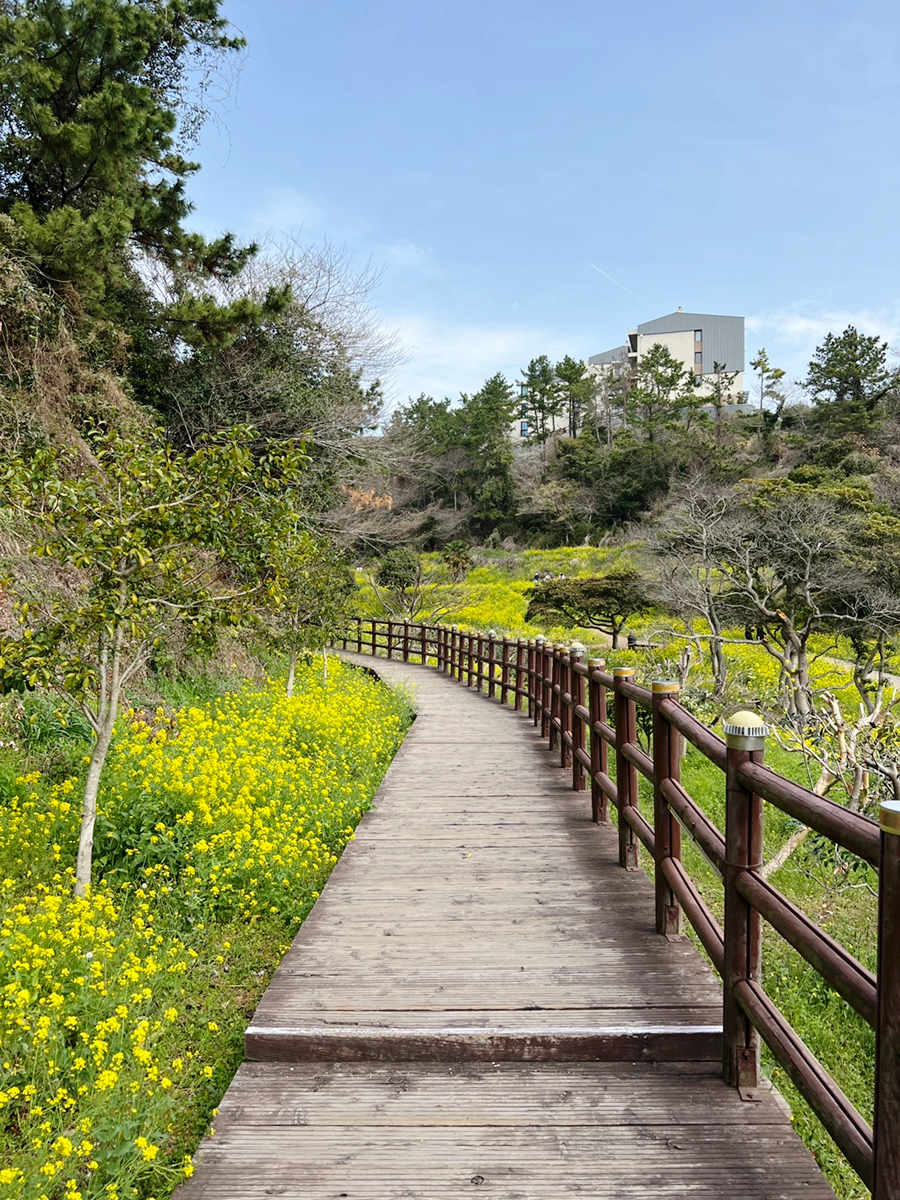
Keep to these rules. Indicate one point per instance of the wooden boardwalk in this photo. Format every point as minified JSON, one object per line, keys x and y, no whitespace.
{"x":478,"y":1000}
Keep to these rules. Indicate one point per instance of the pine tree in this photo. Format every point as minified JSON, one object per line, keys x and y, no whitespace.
{"x":95,"y":106}
{"x":848,"y":379}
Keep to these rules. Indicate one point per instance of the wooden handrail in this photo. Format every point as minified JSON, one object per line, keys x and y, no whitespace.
{"x":567,"y":699}
{"x":854,"y":832}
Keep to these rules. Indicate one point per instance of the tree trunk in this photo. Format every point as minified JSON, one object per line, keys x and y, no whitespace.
{"x":801,"y":682}
{"x":777,"y":861}
{"x":719,"y":665}
{"x":292,"y":670}
{"x":89,"y":806}
{"x":717,"y":659}
{"x":823,"y":786}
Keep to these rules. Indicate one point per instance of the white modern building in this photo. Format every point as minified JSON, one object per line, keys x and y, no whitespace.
{"x":699,"y":341}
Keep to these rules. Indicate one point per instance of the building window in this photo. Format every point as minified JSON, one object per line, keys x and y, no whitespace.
{"x":698,"y":335}
{"x":523,"y":411}
{"x":523,"y":429}
{"x":698,"y":359}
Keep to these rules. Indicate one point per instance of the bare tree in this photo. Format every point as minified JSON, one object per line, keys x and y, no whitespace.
{"x":686,"y":545}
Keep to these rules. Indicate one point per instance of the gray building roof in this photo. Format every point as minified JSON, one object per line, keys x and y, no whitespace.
{"x":722,"y":338}
{"x":619,"y":354}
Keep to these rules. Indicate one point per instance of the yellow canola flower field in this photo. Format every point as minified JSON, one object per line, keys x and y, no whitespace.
{"x":118,"y":1011}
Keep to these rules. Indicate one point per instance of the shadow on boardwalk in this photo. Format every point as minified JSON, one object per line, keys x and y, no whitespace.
{"x":478,"y":1000}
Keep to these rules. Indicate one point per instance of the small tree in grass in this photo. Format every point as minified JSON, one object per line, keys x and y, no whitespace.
{"x":312,"y":590}
{"x":594,"y":602}
{"x":457,"y":559}
{"x":158,"y":544}
{"x":405,"y":587}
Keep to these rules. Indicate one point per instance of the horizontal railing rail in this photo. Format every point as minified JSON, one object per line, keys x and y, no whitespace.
{"x":569,"y":700}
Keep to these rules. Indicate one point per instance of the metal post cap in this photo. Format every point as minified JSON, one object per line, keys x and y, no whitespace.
{"x":745,"y":731}
{"x":623,"y":670}
{"x":665,"y":685}
{"x":596,"y":662}
{"x":889,"y":816}
{"x":578,"y":649}
{"x":540,"y":638}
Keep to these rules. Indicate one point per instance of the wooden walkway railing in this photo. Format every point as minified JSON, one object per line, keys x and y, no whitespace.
{"x":568,"y":698}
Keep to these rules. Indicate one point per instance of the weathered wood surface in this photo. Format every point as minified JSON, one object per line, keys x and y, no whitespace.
{"x":479,"y":999}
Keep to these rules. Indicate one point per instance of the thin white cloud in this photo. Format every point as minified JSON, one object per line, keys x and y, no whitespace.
{"x":791,"y":334}
{"x":292,"y":213}
{"x":406,"y":255}
{"x":445,"y":359}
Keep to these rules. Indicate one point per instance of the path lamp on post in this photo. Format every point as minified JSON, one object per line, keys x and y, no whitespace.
{"x":599,"y":748}
{"x":745,"y":741}
{"x":522,"y":655}
{"x":537,"y":681}
{"x":627,"y":792}
{"x":554,"y":729}
{"x":579,"y":738}
{"x":548,"y":673}
{"x":491,"y":663}
{"x":887,"y":1028}
{"x":565,"y":708}
{"x":667,"y":840}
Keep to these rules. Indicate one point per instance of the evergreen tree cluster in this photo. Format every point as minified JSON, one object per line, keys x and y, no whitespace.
{"x":605,"y":449}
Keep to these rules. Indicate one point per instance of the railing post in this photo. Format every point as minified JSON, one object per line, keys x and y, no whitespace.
{"x":745,"y":740}
{"x":470,"y":660}
{"x":390,"y":639}
{"x":547,"y":668}
{"x":455,"y":660}
{"x":491,"y":663}
{"x":359,"y":635}
{"x":555,"y":691}
{"x":425,"y":646}
{"x":504,"y":670}
{"x":406,"y":641}
{"x":579,"y":740}
{"x":887,"y":1028}
{"x":536,"y":687}
{"x":626,"y":772}
{"x":564,"y":712}
{"x":565,"y":709}
{"x":667,"y":831}
{"x":522,"y":652}
{"x":374,"y":638}
{"x":599,"y":748}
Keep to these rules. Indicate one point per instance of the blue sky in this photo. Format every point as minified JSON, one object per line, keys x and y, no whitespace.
{"x":728,"y":159}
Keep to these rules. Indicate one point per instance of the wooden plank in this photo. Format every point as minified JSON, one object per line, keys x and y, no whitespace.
{"x":592,"y":1094}
{"x":537,"y":1162}
{"x":302,"y":1043}
{"x":505,"y":1019}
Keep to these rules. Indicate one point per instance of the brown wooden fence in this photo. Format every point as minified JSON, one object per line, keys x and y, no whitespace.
{"x":567,"y":698}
